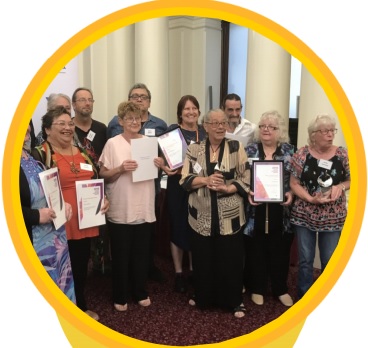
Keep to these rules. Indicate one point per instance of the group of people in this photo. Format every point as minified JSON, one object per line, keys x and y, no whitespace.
{"x":233,"y":242}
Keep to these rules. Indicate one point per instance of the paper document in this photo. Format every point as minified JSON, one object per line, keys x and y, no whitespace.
{"x":54,"y":197}
{"x":90,"y":199}
{"x":144,"y":150}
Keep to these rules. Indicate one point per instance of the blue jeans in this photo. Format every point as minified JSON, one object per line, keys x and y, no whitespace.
{"x":327,"y":242}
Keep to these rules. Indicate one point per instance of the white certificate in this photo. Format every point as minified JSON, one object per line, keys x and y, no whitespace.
{"x":174,"y":147}
{"x":51,"y":187}
{"x":268,"y":179}
{"x":144,"y":150}
{"x":90,"y":199}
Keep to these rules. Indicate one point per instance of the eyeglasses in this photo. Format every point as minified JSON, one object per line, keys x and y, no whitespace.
{"x":139,"y":96}
{"x":132,"y":119}
{"x":216,"y":124}
{"x":84,"y":100}
{"x":64,"y":124}
{"x":326,"y":131}
{"x":268,"y":127}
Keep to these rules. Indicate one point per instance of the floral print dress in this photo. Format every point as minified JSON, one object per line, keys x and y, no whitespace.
{"x":50,"y":245}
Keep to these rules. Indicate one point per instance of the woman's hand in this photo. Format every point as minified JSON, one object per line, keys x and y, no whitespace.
{"x":250,"y":199}
{"x":336,"y":192}
{"x":160,"y":163}
{"x":319,"y":198}
{"x":289,"y":198}
{"x":68,"y":211}
{"x":46,"y":215}
{"x":105,"y":206}
{"x":128,"y":166}
{"x":216,"y":182}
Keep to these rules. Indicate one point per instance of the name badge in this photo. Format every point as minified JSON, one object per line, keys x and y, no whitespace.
{"x":86,"y":166}
{"x":149,"y":132}
{"x":91,"y":135}
{"x":197,"y":168}
{"x":324,"y":164}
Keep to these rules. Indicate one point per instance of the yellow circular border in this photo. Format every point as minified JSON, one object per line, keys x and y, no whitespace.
{"x":79,"y":328}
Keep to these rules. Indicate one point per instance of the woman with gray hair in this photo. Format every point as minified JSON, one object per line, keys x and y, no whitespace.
{"x":320,"y":175}
{"x":216,"y":176}
{"x":268,"y":226}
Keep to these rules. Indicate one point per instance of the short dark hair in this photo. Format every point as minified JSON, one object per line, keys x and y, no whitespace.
{"x":230,"y":96}
{"x":181,"y":105}
{"x":139,"y":85}
{"x":74,"y":96}
{"x":50,"y":116}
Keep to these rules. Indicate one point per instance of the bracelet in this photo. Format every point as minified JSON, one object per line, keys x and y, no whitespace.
{"x":343,"y":187}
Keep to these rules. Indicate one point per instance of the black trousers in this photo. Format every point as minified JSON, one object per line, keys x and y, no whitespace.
{"x":130,"y":246}
{"x":79,"y":251}
{"x":269,"y":258}
{"x":218,"y":269}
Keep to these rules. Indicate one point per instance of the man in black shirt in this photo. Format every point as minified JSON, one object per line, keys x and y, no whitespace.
{"x":91,"y":134}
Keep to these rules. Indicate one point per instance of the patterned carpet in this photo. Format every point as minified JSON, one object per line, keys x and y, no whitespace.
{"x":170,"y":320}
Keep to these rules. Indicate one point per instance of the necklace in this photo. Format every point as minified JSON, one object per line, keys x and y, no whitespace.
{"x":72,"y":165}
{"x":214,"y":152}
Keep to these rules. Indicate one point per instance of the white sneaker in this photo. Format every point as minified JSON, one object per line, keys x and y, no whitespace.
{"x":257,"y":299}
{"x":286,"y":300}
{"x":93,"y":315}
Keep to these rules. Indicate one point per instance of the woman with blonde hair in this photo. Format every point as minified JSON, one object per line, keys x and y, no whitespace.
{"x":269,"y":244}
{"x":320,"y":175}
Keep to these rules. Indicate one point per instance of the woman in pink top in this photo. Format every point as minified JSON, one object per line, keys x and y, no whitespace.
{"x":131,"y":213}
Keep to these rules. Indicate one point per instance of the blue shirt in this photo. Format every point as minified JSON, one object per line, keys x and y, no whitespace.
{"x":153,"y":122}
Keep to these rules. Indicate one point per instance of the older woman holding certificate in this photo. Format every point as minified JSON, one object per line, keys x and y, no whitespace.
{"x":215,"y":175}
{"x":268,"y":224}
{"x":131,"y":213}
{"x":73,"y":164}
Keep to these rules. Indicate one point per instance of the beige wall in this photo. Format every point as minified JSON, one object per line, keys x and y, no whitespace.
{"x":173,"y":56}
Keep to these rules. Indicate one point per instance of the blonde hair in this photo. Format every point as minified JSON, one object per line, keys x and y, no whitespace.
{"x":128,"y":107}
{"x":273,"y":115}
{"x":320,"y":119}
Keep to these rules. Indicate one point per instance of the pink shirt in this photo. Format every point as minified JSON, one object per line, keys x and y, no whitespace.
{"x":130,"y":202}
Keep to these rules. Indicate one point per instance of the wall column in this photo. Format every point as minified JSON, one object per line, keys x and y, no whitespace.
{"x":107,"y":68}
{"x":195,"y":62}
{"x":313,"y":101}
{"x":268,"y":78}
{"x":151,"y":62}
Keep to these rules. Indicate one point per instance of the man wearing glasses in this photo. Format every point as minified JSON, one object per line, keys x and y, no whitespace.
{"x":151,"y":125}
{"x":90,"y":133}
{"x":238,"y":126}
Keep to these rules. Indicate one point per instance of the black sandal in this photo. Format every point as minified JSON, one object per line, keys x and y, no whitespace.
{"x":239,"y":309}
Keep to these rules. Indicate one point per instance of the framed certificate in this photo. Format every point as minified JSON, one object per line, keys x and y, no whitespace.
{"x":268,"y":181}
{"x":90,"y":198}
{"x":174,"y":147}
